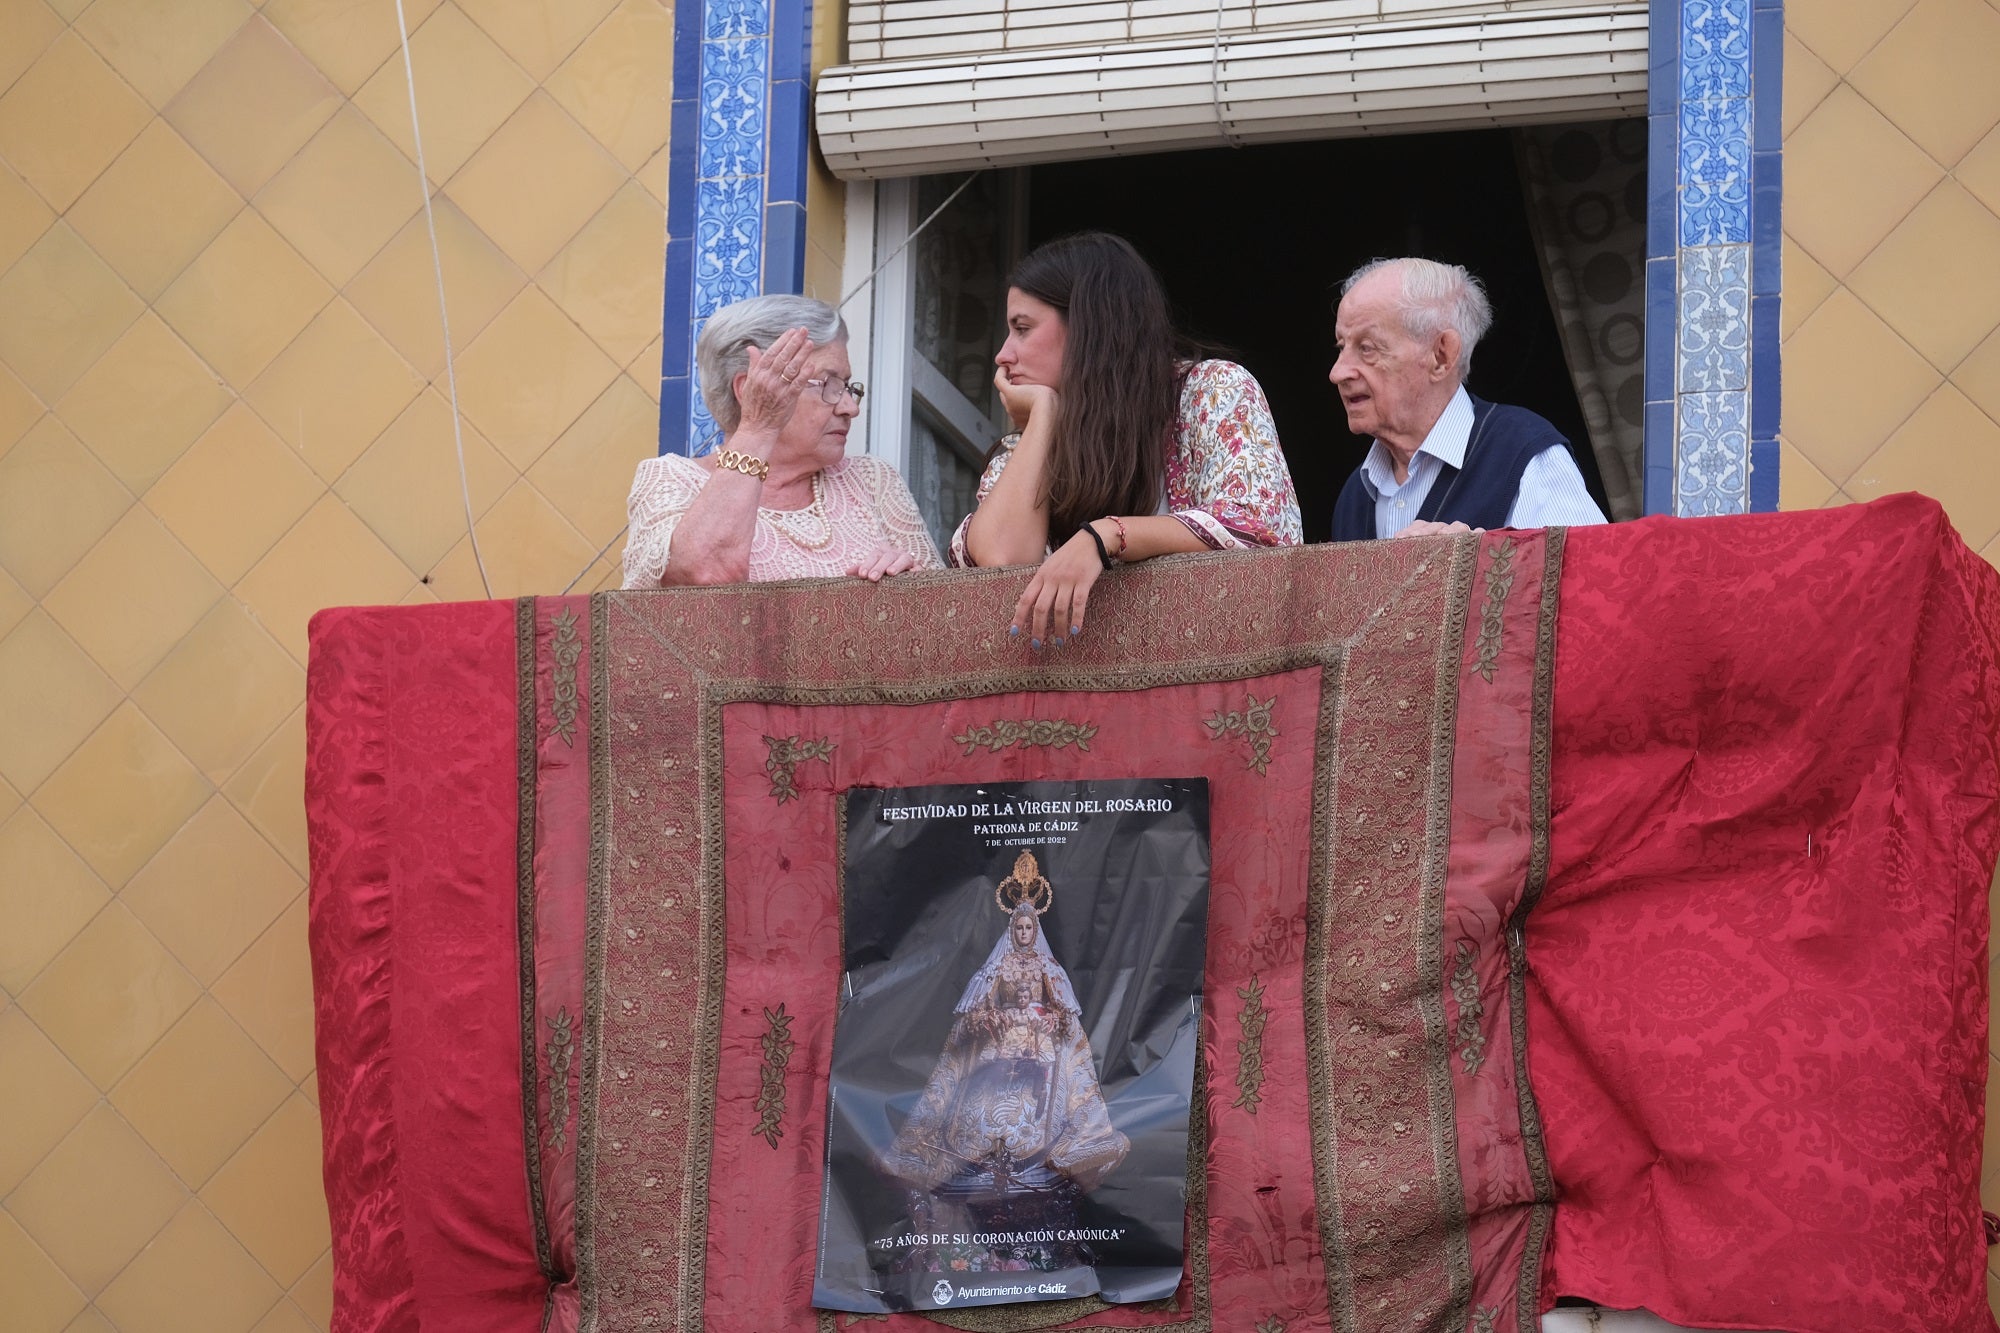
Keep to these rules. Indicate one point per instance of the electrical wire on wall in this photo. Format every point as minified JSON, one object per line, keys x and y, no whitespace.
{"x":444,"y":317}
{"x":915,"y":232}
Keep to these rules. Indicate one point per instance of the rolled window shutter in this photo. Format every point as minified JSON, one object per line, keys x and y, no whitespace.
{"x":1291,"y":74}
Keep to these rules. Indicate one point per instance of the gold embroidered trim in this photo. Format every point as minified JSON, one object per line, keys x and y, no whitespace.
{"x":1430,"y":951}
{"x":598,"y":756}
{"x":1252,"y":721}
{"x":1054,"y":733}
{"x":713,"y":960}
{"x":1499,"y":582}
{"x":1528,"y":1292}
{"x":777,"y":1043}
{"x":787,"y":753}
{"x":565,"y":647}
{"x":1320,"y":913}
{"x":1370,"y":1262}
{"x":1465,"y":990}
{"x":560,"y":1051}
{"x":526,"y":759}
{"x":1250,"y":1019}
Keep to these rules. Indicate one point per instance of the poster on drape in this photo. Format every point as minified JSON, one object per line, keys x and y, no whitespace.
{"x":1014,"y":1054}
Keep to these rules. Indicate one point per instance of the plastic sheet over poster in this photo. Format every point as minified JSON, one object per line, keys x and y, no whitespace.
{"x":1015,"y":1051}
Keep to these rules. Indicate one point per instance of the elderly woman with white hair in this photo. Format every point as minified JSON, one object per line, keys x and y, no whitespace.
{"x":780,"y":499}
{"x":1441,"y":460}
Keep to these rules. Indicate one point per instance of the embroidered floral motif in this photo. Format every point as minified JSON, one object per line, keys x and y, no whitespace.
{"x":1483,"y":1318}
{"x":1250,"y":1019}
{"x":787,"y":753}
{"x":566,"y":647}
{"x":1465,"y":990}
{"x":1051,"y":732}
{"x":771,"y":1094}
{"x":1272,"y":1325}
{"x":1499,"y":582}
{"x":561,"y":1049}
{"x":1252,"y":721}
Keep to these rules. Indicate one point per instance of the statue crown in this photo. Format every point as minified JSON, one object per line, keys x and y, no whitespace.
{"x":1027,"y":886}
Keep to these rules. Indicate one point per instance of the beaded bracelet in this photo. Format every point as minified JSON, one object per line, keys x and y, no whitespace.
{"x":1123,"y":541}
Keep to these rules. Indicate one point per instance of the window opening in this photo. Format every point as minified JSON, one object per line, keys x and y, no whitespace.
{"x":1251,"y":244}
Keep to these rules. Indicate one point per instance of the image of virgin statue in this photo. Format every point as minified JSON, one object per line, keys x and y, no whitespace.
{"x":1011,"y":1129}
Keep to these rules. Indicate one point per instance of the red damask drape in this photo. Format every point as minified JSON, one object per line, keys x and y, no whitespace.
{"x":1609,"y":910}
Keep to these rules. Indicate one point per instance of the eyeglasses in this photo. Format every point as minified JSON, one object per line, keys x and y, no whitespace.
{"x":831,"y":391}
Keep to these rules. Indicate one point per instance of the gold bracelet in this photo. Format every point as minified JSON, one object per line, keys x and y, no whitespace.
{"x":744,"y":463}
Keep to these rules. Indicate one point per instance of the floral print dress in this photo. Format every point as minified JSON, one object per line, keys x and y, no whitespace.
{"x":1227,"y":482}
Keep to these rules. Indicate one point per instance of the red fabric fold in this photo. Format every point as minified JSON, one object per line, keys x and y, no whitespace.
{"x":411,"y":801}
{"x":1758,"y":1003}
{"x":350,"y":926}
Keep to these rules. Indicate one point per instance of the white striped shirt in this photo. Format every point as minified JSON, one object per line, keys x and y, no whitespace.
{"x":1552,"y":492}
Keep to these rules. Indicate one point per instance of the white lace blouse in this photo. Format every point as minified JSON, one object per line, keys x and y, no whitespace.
{"x":859,"y":505}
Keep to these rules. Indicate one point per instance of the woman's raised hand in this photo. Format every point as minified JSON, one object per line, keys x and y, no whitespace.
{"x":772,"y":385}
{"x":1022,"y":400}
{"x":1051,"y":608}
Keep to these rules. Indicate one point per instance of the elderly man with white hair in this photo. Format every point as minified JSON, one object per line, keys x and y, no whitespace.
{"x":1442,"y":460}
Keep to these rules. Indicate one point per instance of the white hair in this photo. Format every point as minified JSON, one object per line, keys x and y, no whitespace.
{"x":723,"y":350}
{"x":1436,"y":297}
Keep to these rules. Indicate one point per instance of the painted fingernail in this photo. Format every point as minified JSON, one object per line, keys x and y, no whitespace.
{"x":1036,"y":644}
{"x":1013,"y":631}
{"x":1075,"y":630}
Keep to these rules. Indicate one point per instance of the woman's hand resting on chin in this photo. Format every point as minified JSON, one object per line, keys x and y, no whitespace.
{"x":1023,"y":401}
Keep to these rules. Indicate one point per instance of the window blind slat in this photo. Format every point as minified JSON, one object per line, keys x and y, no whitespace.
{"x":981,"y":28}
{"x":1537,"y":63}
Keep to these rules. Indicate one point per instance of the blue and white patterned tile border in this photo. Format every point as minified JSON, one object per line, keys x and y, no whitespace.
{"x":1714,"y":454}
{"x":1715,"y":49}
{"x":736,"y":225}
{"x":736,"y":162}
{"x":1714,"y":319}
{"x":1713,"y":246}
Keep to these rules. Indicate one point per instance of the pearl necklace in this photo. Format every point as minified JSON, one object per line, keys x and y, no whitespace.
{"x":782,"y":520}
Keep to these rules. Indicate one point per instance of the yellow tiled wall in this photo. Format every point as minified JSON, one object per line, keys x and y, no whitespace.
{"x":222,"y":406}
{"x":1892,"y":278}
{"x":826,"y":194}
{"x":1892,"y":256}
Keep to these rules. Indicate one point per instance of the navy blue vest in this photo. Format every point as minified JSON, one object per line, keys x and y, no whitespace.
{"x":1478,"y":494}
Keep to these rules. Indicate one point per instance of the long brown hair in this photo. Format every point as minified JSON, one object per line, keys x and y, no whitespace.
{"x":1120,"y":389}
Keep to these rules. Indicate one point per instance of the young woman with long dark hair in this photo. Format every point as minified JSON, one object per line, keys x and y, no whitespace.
{"x":1127,"y":445}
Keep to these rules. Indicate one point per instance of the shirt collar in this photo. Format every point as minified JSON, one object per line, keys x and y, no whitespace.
{"x":1446,"y":442}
